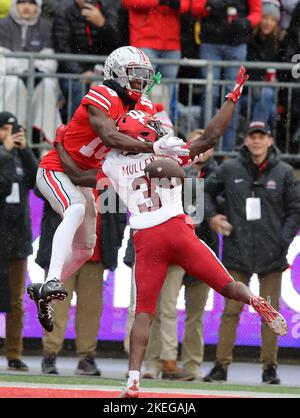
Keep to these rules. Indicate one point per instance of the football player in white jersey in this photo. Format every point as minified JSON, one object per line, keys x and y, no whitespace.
{"x":162,"y":235}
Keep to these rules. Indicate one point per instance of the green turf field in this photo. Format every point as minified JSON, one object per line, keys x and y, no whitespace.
{"x":147,"y":384}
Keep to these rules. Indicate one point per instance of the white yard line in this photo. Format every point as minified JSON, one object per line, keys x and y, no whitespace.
{"x":150,"y":390}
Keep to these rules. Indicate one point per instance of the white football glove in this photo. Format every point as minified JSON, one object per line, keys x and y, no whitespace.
{"x":170,"y":146}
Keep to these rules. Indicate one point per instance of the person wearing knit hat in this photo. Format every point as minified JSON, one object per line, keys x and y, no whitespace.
{"x":264,"y":47}
{"x":272,"y":8}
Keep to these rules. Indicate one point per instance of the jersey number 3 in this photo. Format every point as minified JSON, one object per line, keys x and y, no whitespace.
{"x":153,"y":198}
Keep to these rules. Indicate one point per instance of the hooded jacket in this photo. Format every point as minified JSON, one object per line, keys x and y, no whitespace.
{"x":256,"y":246}
{"x":16,"y":216}
{"x":20,"y":35}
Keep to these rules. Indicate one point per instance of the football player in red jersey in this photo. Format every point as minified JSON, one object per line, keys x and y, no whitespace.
{"x":161,"y":236}
{"x":91,"y":133}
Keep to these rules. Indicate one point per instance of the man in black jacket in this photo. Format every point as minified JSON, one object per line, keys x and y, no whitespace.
{"x":18,"y":240}
{"x":84,"y":27}
{"x":6,"y":180}
{"x":262,"y":198}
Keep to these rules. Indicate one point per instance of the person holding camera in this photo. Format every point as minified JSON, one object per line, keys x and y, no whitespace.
{"x":84,"y":27}
{"x":16,"y":221}
{"x":6,"y":181}
{"x":25,"y":30}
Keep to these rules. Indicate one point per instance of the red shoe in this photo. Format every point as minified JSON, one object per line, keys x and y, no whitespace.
{"x":131,"y":392}
{"x":273,"y":318}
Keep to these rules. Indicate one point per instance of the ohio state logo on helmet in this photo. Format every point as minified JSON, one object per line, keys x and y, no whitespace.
{"x":141,"y":126}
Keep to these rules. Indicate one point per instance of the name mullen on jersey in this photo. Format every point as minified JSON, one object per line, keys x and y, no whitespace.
{"x":149,"y":204}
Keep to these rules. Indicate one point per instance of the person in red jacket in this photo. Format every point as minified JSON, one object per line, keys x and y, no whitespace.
{"x":226,"y":26}
{"x":154,"y":27}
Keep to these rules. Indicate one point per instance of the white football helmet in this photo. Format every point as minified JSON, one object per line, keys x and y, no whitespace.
{"x":130,"y":68}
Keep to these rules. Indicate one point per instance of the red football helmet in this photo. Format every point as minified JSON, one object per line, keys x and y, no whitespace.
{"x":141,"y":126}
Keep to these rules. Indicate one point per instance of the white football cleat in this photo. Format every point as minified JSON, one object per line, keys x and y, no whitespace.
{"x":273,"y":318}
{"x":131,"y":391}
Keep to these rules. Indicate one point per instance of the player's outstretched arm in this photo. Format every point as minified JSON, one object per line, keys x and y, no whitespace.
{"x":220,"y":122}
{"x":83,"y":178}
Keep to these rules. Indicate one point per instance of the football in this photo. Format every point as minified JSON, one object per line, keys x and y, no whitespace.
{"x":165,"y":168}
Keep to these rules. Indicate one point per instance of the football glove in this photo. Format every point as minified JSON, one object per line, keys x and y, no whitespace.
{"x":170,"y":146}
{"x":241,"y":80}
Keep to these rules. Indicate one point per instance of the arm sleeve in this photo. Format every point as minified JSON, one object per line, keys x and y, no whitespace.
{"x":140,"y":4}
{"x":198,"y":8}
{"x":291,"y":201}
{"x":100,"y":98}
{"x":62,"y":41}
{"x":214,"y":186}
{"x":184,"y":6}
{"x":30,"y":166}
{"x":7,"y":173}
{"x":255,"y":12}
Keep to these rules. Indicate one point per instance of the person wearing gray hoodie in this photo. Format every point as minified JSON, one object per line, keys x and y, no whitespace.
{"x":24,"y":30}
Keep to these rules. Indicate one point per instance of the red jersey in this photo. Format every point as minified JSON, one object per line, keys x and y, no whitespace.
{"x":81,"y":142}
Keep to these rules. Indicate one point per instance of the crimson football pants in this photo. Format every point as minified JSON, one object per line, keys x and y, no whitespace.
{"x":173,"y":242}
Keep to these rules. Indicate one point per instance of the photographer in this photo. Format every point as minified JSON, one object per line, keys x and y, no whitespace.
{"x":18,"y":240}
{"x":6,"y":180}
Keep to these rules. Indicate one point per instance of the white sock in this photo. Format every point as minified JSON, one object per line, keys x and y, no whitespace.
{"x":133,"y":376}
{"x":63,"y":239}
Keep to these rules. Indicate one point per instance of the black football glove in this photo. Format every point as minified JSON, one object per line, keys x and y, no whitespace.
{"x":173,"y":4}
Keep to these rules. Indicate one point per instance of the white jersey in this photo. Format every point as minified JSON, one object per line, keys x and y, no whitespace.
{"x":149,"y":204}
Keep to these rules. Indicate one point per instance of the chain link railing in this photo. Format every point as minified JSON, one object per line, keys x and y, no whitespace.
{"x":285,"y":132}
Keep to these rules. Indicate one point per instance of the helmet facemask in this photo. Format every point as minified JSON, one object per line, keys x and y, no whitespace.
{"x":139,"y":78}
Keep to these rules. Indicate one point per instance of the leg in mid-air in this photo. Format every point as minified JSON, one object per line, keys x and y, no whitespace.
{"x":198,"y":260}
{"x":77,"y":209}
{"x":151,"y":266}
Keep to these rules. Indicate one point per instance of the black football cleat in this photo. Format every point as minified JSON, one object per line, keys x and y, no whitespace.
{"x":43,"y":294}
{"x":53,"y":290}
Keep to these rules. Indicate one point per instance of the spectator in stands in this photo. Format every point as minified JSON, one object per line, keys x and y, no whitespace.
{"x":226,"y":26}
{"x":84,"y":27}
{"x":16,"y":218}
{"x":4,"y":8}
{"x":290,"y":51}
{"x":25,"y":31}
{"x":7,"y":173}
{"x":110,"y":229}
{"x":264,"y":47}
{"x":288,"y":7}
{"x":154,"y":27}
{"x":262,"y":198}
{"x":52,"y":7}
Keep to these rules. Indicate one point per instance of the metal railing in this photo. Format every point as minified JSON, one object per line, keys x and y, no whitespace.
{"x":288,"y":145}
